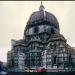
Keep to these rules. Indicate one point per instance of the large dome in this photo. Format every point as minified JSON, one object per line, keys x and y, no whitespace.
{"x":42,"y":15}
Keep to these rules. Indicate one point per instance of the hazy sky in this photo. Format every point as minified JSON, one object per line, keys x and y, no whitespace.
{"x":15,"y":14}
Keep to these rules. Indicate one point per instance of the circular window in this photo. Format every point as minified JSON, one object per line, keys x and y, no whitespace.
{"x":52,"y":30}
{"x":36,"y":29}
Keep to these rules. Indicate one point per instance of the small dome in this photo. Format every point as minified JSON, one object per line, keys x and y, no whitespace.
{"x":54,"y":37}
{"x":42,"y":15}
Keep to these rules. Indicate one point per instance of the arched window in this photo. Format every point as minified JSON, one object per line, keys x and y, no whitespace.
{"x":12,"y":60}
{"x":25,"y":61}
{"x":54,"y":60}
{"x":32,"y":61}
{"x":54,"y":45}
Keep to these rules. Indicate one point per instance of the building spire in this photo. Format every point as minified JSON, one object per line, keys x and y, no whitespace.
{"x":41,"y":3}
{"x":41,"y":8}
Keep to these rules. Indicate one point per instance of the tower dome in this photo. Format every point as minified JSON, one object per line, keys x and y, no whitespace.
{"x":42,"y":16}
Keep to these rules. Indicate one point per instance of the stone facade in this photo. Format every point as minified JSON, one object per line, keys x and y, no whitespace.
{"x":42,"y":45}
{"x":58,"y":55}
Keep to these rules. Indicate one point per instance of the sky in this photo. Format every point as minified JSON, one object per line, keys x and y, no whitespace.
{"x":15,"y":14}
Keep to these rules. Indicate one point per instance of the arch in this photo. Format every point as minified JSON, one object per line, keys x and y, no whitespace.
{"x":52,"y":31}
{"x":54,"y":59}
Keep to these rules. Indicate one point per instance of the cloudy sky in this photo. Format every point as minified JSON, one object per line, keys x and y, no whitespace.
{"x":15,"y":14}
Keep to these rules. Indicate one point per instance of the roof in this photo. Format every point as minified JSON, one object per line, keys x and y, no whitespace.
{"x":42,"y":15}
{"x":39,"y":15}
{"x":54,"y":37}
{"x":20,"y":42}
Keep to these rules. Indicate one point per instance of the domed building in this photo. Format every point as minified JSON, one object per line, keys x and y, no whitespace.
{"x":42,"y":46}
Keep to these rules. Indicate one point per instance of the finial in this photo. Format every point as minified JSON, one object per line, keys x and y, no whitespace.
{"x":41,"y":3}
{"x":41,"y":6}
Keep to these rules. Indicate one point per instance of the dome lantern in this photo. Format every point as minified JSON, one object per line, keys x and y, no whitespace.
{"x":41,"y":8}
